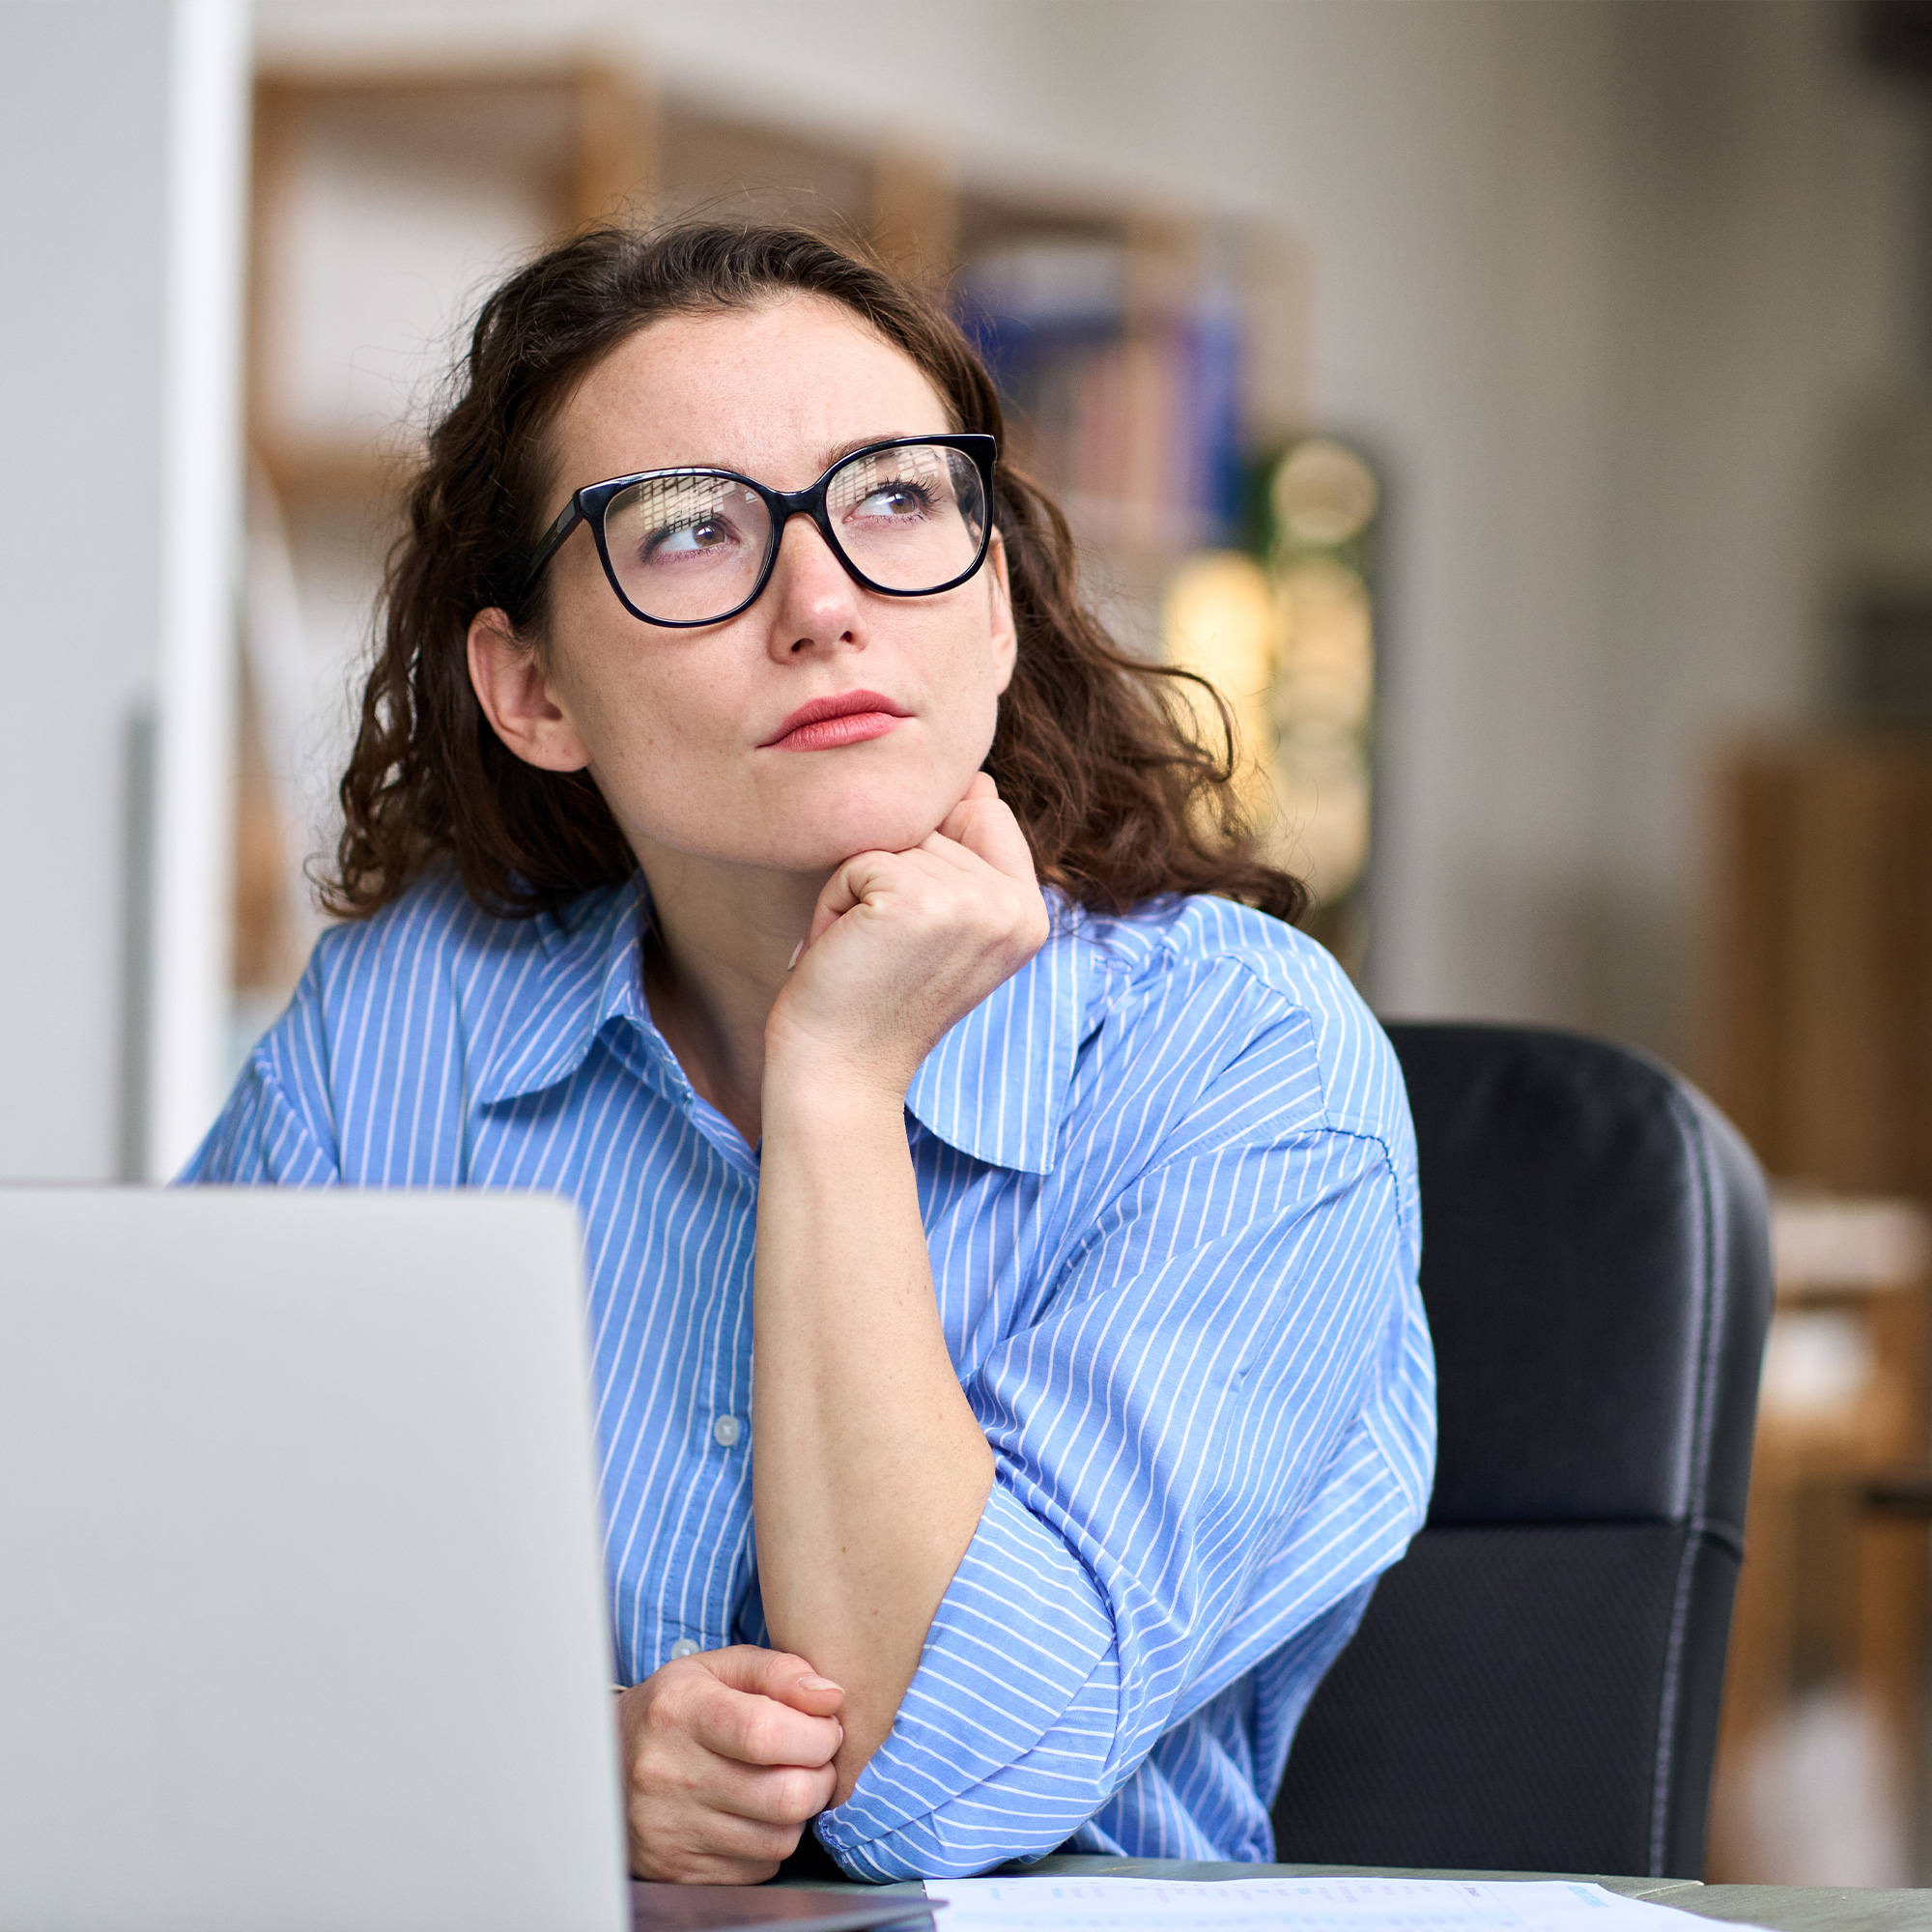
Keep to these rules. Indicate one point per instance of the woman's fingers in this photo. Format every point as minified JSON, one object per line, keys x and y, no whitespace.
{"x":753,"y":1729}
{"x":724,"y":1774}
{"x":845,"y":889}
{"x":931,"y":877}
{"x":980,"y":786}
{"x":981,"y":793}
{"x":789,"y":1793}
{"x":986,"y":827}
{"x":774,"y":1673}
{"x":712,"y":1847}
{"x":902,"y":944}
{"x":979,"y":829}
{"x":973,"y":838}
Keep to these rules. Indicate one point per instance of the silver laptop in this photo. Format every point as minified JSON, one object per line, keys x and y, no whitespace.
{"x":302,"y":1617}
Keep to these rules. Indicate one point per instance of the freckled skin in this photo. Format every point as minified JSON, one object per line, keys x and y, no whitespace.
{"x":670,"y":720}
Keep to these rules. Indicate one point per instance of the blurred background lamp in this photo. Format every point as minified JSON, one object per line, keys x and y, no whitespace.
{"x":1322,"y":495}
{"x":1327,"y":658}
{"x":1221,"y":619}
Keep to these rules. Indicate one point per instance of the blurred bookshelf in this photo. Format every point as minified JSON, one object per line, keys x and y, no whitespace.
{"x":1151,"y":355}
{"x":1817,"y":1033}
{"x":1816,"y":1039}
{"x":1820,"y":1759}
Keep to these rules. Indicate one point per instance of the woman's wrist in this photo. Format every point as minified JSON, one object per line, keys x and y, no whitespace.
{"x":821,"y":1092}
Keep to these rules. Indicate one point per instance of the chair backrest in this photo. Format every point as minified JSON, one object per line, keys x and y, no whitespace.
{"x":1535,"y":1686}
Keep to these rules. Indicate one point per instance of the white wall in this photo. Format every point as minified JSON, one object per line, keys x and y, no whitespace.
{"x":114,"y":518}
{"x":1595,"y":279}
{"x":1771,"y":228}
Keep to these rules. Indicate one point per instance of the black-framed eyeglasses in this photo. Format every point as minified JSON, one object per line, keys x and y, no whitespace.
{"x":908,"y":517}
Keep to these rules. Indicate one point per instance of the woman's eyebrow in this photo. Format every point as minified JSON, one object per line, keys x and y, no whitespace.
{"x":840,"y":451}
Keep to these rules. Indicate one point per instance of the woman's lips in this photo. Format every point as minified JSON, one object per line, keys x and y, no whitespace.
{"x":827,"y":723}
{"x":852,"y":727}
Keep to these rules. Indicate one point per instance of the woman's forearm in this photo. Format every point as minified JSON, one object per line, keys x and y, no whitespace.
{"x":869,"y":1468}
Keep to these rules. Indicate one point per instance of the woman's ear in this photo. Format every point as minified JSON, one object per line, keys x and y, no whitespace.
{"x":999,"y":587}
{"x":516,"y":697}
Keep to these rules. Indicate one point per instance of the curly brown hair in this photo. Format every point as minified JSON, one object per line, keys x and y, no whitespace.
{"x":1097,"y":751}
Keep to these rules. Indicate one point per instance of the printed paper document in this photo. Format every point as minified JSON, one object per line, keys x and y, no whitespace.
{"x":1048,"y":1904}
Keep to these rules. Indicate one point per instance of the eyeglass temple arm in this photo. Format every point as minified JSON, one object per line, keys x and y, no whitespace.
{"x":568,"y":519}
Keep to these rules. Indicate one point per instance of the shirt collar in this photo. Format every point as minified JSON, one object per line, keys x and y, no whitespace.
{"x":589,"y":974}
{"x":995,"y":1087}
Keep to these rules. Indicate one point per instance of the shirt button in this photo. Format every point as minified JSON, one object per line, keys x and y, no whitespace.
{"x":684,"y":1647}
{"x":725,"y":1431}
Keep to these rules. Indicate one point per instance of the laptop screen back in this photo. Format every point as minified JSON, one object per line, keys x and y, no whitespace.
{"x":301,"y":1604}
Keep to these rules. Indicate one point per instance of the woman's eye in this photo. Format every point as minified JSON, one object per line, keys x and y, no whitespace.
{"x":705,"y":533}
{"x":894,"y":500}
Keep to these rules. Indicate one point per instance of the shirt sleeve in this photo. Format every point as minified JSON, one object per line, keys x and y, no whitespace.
{"x":1205,"y":1789}
{"x":1218,"y":1432}
{"x":276,"y":1128}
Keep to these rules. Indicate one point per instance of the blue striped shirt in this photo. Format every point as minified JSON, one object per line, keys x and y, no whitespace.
{"x":1167,"y":1182}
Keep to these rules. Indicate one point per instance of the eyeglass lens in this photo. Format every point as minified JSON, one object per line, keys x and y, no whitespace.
{"x":688,"y":549}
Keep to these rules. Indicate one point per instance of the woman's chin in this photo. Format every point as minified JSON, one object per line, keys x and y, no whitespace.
{"x":823,"y":838}
{"x":827,"y":847}
{"x":814,"y":828}
{"x":815,"y":848}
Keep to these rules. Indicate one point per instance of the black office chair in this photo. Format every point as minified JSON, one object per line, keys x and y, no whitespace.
{"x":1535,"y":1685}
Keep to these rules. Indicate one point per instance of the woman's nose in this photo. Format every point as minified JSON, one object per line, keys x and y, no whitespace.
{"x":814,"y":601}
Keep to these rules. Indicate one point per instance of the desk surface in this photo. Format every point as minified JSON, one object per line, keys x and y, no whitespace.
{"x":1785,"y":1908}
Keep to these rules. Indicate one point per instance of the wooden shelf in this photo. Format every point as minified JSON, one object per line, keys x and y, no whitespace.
{"x":314,"y":472}
{"x":1818,"y":973}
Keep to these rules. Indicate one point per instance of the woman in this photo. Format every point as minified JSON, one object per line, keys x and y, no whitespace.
{"x":1055,"y":1249}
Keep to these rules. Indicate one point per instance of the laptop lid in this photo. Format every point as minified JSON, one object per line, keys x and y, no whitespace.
{"x":302,"y":1613}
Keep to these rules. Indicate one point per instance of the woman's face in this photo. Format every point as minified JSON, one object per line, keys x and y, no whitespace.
{"x":685,"y":730}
